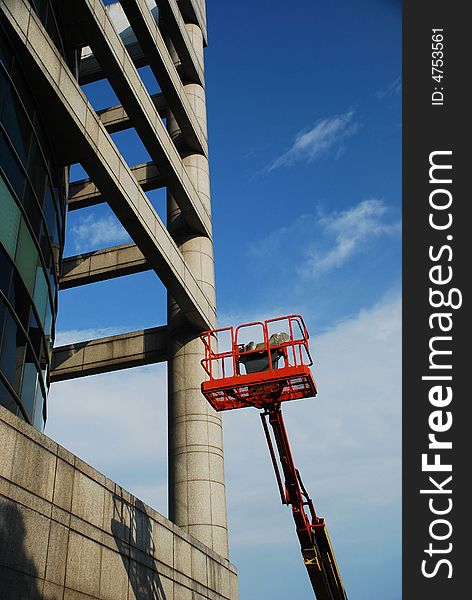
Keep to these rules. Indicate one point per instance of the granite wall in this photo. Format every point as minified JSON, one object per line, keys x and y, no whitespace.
{"x":67,"y":532}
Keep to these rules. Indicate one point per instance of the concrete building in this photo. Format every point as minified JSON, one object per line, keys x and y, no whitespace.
{"x":66,"y":531}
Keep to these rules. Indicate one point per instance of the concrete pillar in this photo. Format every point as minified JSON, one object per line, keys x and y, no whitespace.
{"x":197,"y":497}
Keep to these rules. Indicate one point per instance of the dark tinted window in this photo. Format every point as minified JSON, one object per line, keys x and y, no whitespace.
{"x":17,"y":126}
{"x":32,"y":208}
{"x":5,"y":54}
{"x":3,"y":314}
{"x":9,"y":164}
{"x":6,"y":399}
{"x":29,"y":383}
{"x":13,"y":352}
{"x":20,"y":300}
{"x":4,"y":83}
{"x":38,"y":420}
{"x":6,"y":270}
{"x":35,"y":335}
{"x":37,"y":171}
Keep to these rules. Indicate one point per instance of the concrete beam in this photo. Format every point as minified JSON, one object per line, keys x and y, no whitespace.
{"x":74,"y":126}
{"x":151,"y":41}
{"x":115,"y":118}
{"x":107,"y":354}
{"x":91,"y":21}
{"x":194,"y":12}
{"x":175,"y":26}
{"x":85,"y":193}
{"x":90,"y":69}
{"x":102,"y":265}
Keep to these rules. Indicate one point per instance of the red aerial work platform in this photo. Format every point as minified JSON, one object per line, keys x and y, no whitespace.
{"x":263,"y":375}
{"x":245,"y":374}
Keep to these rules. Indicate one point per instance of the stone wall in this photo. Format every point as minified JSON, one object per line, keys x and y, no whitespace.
{"x":67,"y":532}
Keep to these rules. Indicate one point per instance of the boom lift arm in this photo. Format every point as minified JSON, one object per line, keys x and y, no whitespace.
{"x":315,"y":544}
{"x":262,"y":376}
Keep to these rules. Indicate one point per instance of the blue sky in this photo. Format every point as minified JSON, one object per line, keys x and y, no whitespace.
{"x":304,"y":112}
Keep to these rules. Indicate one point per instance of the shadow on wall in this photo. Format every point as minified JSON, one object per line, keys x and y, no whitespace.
{"x":18,"y":572}
{"x":132,"y":527}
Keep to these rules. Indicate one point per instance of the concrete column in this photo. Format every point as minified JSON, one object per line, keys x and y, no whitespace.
{"x":197,"y":497}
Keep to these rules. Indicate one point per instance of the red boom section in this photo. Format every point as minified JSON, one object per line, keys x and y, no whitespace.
{"x":315,"y":545}
{"x":275,"y":369}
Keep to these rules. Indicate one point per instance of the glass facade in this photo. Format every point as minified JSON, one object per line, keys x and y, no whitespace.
{"x":32,"y":215}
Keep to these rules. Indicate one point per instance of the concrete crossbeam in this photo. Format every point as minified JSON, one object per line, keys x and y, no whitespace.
{"x":175,"y":26}
{"x":85,"y":193}
{"x":90,"y":69}
{"x":162,"y":65}
{"x":171,"y":20}
{"x":102,"y":355}
{"x":73,"y":124}
{"x":102,"y":265}
{"x":115,"y":118}
{"x":108,"y":47}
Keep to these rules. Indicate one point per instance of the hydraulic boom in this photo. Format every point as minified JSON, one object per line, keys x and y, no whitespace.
{"x":315,"y":544}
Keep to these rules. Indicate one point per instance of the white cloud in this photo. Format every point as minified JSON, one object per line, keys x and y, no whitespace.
{"x":350,"y":229}
{"x":392,"y":89}
{"x":327,"y":241}
{"x":92,"y":232}
{"x":327,"y":135}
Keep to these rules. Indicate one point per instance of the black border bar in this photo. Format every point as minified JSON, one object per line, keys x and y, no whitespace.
{"x":437,"y":426}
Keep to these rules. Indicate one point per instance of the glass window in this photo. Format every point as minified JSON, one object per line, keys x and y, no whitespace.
{"x":10,"y":165}
{"x":26,"y":256}
{"x":9,"y":219}
{"x":50,"y":212}
{"x":6,"y":399}
{"x":60,"y":193}
{"x":48,"y":320}
{"x":4,"y":83}
{"x":40,"y":292}
{"x":29,"y":383}
{"x":37,"y":170}
{"x":52,"y":279}
{"x":17,"y":125}
{"x":18,"y":77}
{"x":6,"y":55}
{"x":6,"y":269}
{"x":32,"y":214}
{"x":45,"y":374}
{"x":13,"y":351}
{"x":32,"y":210}
{"x":20,"y":300}
{"x":43,"y":358}
{"x":44,"y":244}
{"x":35,"y":335}
{"x":38,"y":420}
{"x":3,"y":314}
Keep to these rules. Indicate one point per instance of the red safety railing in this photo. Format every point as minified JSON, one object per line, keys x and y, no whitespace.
{"x":275,"y":367}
